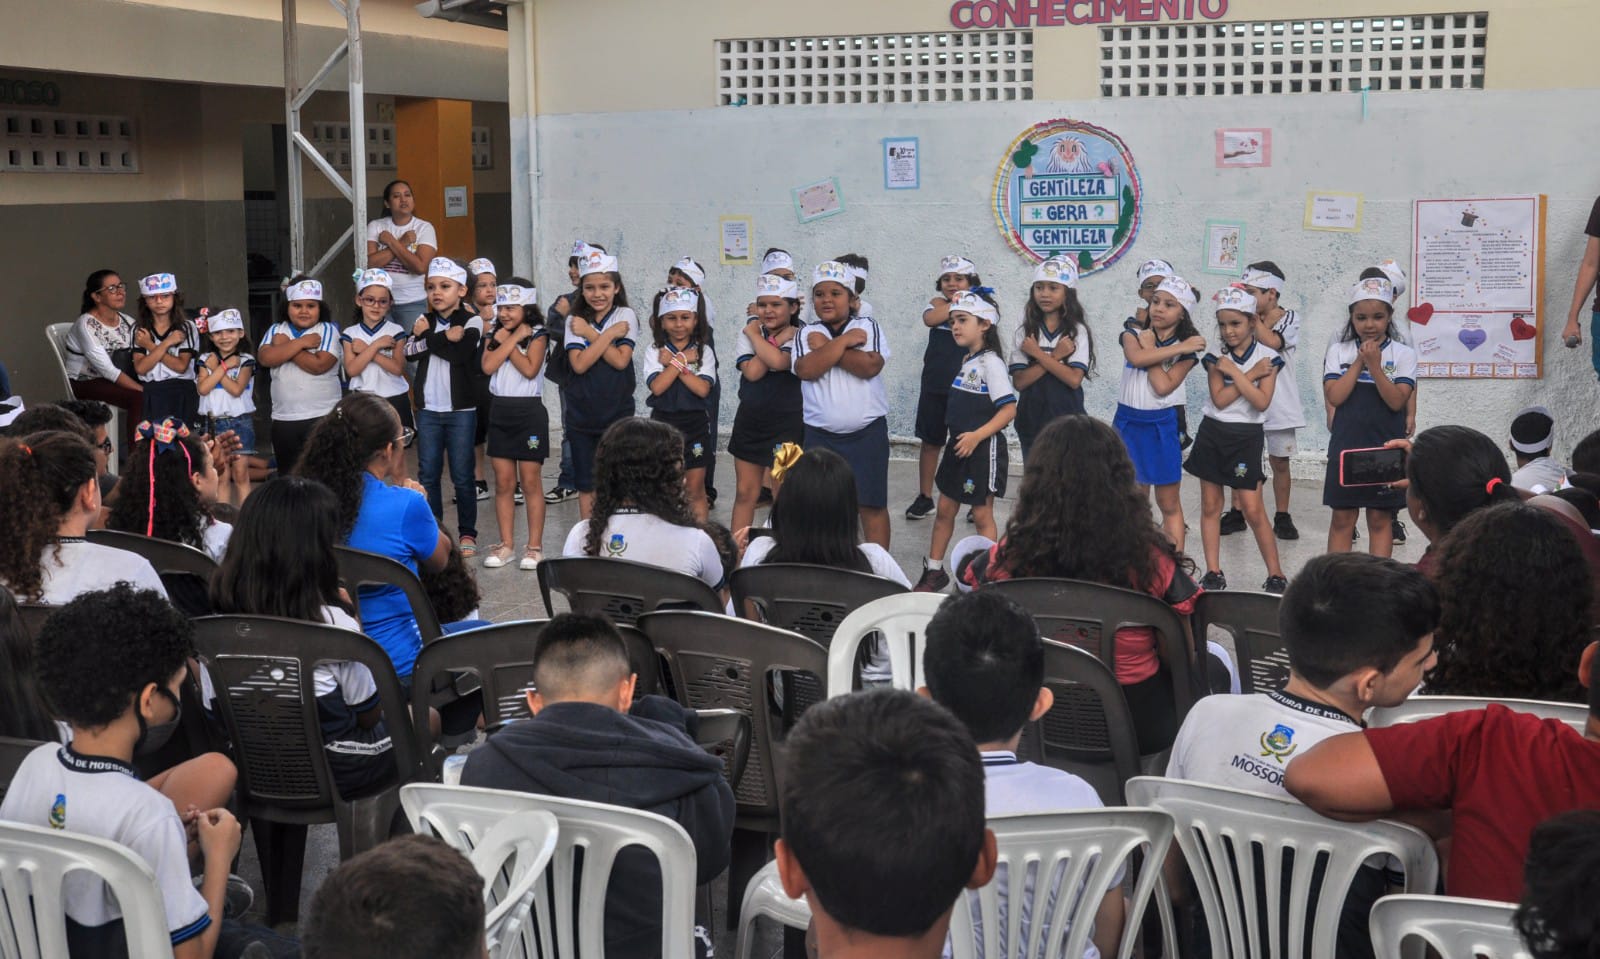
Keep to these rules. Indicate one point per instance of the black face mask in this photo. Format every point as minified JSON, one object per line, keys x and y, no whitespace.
{"x":153,"y":738}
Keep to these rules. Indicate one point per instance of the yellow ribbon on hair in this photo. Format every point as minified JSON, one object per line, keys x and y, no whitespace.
{"x":784,"y":459}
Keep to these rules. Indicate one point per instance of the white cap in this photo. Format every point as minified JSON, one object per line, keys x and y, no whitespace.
{"x":224,"y":321}
{"x":1262,"y":280}
{"x":1396,"y":274}
{"x":1372,"y":288}
{"x":768,"y":284}
{"x":678,"y":298}
{"x":1234,"y":298}
{"x":505,"y":295}
{"x":832,"y":271}
{"x":374,"y":277}
{"x":1150,"y":268}
{"x":962,"y":553}
{"x":957,"y":264}
{"x":481,"y":266}
{"x":969,"y":302}
{"x":1183,"y":292}
{"x":304,"y":290}
{"x":158,"y":283}
{"x":594,"y":261}
{"x":447,"y":268}
{"x":688,"y":267}
{"x":777,"y":260}
{"x":1057,"y":269}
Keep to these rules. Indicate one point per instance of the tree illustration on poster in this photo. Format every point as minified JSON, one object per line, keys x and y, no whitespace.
{"x":1066,"y":186}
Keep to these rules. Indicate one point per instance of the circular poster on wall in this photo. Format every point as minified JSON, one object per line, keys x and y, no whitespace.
{"x":1068,"y":187}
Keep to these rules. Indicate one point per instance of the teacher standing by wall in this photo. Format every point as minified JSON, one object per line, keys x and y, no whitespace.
{"x":402,"y":244}
{"x":1588,"y":270}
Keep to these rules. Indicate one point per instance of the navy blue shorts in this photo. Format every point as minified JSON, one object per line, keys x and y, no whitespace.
{"x":867,"y":452}
{"x":930,"y":427}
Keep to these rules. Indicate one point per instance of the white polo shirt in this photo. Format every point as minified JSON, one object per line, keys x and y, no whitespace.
{"x":161,"y":372}
{"x":374,"y":378}
{"x":1399,"y":362}
{"x":839,"y":401}
{"x":296,"y":394}
{"x":83,"y":567}
{"x":219,"y":402}
{"x":102,"y":797}
{"x":509,"y":381}
{"x":1240,"y":410}
{"x":1246,"y":742}
{"x":1286,"y":411}
{"x":647,"y":538}
{"x":1078,"y":358}
{"x":1135,"y":390}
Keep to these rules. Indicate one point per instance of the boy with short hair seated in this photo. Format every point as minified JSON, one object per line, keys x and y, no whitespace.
{"x":882,"y":823}
{"x":984,"y":661}
{"x":111,"y":664}
{"x":411,"y":898}
{"x":590,"y":740}
{"x":1532,"y":437}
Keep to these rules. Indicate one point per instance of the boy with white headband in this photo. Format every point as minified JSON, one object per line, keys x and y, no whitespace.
{"x":1533,"y":434}
{"x":447,"y":375}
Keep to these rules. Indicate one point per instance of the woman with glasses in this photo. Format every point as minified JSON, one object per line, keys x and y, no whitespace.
{"x":374,"y":345}
{"x":99,"y":350}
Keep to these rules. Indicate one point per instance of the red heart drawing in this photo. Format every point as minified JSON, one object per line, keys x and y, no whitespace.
{"x":1421,"y":313}
{"x":1522,"y":330}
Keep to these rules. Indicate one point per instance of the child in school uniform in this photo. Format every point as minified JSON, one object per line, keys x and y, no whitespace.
{"x":556,"y":369}
{"x":303,"y":352}
{"x":374,"y":350}
{"x":165,"y":343}
{"x":519,"y":425}
{"x":1368,"y":376}
{"x":856,"y":264}
{"x":226,"y":400}
{"x":981,"y":405}
{"x":601,"y":332}
{"x":770,"y":408}
{"x":679,"y":370}
{"x":447,"y":375}
{"x":839,"y":360}
{"x":1156,"y":359}
{"x":1053,"y":351}
{"x":940,"y":362}
{"x":1241,"y":377}
{"x":1150,"y":274}
{"x":482,"y":281}
{"x":687,"y":274}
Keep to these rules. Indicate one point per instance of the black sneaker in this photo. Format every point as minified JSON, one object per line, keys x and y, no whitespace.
{"x":1399,"y":533}
{"x":517,"y":497}
{"x":1213,"y":580}
{"x":1275,"y":585}
{"x":765,"y":499}
{"x":1283,"y":527}
{"x":932,"y":581}
{"x":711,"y":496}
{"x":483,"y":490}
{"x":1232,"y":522}
{"x":920,"y":508}
{"x":972,"y":520}
{"x":1355,"y":533}
{"x":560,"y":494}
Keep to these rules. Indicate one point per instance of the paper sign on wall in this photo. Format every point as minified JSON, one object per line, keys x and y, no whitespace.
{"x":455,"y":201}
{"x":1224,"y":247}
{"x":817,"y":200}
{"x":1338,"y":212}
{"x":902,"y":168}
{"x":1244,"y":147}
{"x":735,"y":232}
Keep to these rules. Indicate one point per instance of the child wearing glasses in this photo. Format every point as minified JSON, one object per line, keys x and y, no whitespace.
{"x":374,"y":356}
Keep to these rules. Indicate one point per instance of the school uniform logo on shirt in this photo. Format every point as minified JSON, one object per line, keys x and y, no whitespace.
{"x":58,"y":812}
{"x":1279,"y":744}
{"x":616,"y":545}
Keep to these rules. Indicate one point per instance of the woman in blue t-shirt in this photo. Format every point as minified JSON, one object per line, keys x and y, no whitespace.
{"x":358,"y":451}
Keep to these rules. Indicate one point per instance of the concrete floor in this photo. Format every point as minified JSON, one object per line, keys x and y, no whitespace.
{"x":509,"y":593}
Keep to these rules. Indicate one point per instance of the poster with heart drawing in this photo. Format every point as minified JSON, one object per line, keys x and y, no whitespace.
{"x":1478,"y":268}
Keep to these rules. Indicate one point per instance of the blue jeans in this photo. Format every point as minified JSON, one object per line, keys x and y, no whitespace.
{"x":1594,"y":341}
{"x":438,"y":435}
{"x":564,"y":478}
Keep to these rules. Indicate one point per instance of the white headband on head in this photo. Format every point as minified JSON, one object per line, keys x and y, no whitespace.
{"x":596,"y":262}
{"x":224,"y":321}
{"x":304,"y":290}
{"x":1261,"y":280}
{"x":515,"y":295}
{"x":688,"y":267}
{"x":832,"y":271}
{"x":374,"y":277}
{"x":1057,"y":269}
{"x":678,"y":298}
{"x":1538,"y":446}
{"x":447,"y":268}
{"x":957,"y":264}
{"x":1372,"y":288}
{"x":1234,"y":298}
{"x":1150,"y":268}
{"x":580,"y":248}
{"x":777,"y":260}
{"x":158,"y":283}
{"x":859,"y":272}
{"x":969,"y":302}
{"x":481,"y":266}
{"x":768,"y":284}
{"x":1396,"y":274}
{"x":1181,"y":291}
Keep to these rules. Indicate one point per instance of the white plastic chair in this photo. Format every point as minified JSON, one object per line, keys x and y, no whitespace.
{"x":35,"y":863}
{"x":1453,"y":927}
{"x":569,"y":907}
{"x":1426,"y":707}
{"x":57,"y":332}
{"x":764,"y":896}
{"x":1220,"y":829}
{"x":901,"y":619}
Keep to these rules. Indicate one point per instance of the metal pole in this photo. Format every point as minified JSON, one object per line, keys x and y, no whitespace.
{"x":291,"y":109}
{"x":522,"y":34}
{"x":358,"y":135}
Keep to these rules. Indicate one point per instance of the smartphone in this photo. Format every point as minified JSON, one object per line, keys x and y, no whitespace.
{"x":1372,"y":467}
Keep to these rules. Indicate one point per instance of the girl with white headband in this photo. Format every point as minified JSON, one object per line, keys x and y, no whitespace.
{"x":601,"y":332}
{"x":303,"y":351}
{"x":519,"y":426}
{"x":481,"y":281}
{"x":374,"y":345}
{"x":165,"y":344}
{"x":769,"y":393}
{"x":1368,"y":377}
{"x":688,"y":275}
{"x":226,"y":399}
{"x":1279,"y":329}
{"x":1053,"y":350}
{"x":680,"y":369}
{"x":941,"y":361}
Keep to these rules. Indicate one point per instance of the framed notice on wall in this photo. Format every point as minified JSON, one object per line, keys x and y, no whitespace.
{"x":1478,"y":307}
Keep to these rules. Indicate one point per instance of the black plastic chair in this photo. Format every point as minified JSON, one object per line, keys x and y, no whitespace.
{"x":720,"y":662}
{"x":12,"y":753}
{"x":804,"y":598}
{"x":360,"y":569}
{"x":1252,"y":620}
{"x":1088,"y":615}
{"x":725,"y":733}
{"x":263,"y":670}
{"x":622,"y":589}
{"x":166,"y":556}
{"x":1089,"y":730}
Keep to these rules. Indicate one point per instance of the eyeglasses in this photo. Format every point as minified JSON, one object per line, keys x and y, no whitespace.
{"x":374,"y":301}
{"x":407,"y":434}
{"x":106,"y":447}
{"x":113,"y":288}
{"x":1149,"y":285}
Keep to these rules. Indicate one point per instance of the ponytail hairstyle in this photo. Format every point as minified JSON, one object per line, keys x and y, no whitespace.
{"x":638,"y":464}
{"x":23,"y":711}
{"x":91,"y":286}
{"x":341,"y":445}
{"x":697,"y":337}
{"x":1455,"y":470}
{"x":158,"y":497}
{"x":280,"y":559}
{"x":1074,"y":321}
{"x":40,"y":476}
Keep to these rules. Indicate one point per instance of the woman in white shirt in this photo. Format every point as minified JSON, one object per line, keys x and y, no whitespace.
{"x":401,"y":244}
{"x":99,"y":354}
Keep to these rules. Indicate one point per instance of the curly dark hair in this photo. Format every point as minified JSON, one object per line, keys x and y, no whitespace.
{"x":1560,"y":882}
{"x":342,"y":444}
{"x":1515,"y":594}
{"x":98,"y":652}
{"x":638,"y":465}
{"x":170,"y":507}
{"x":47,"y":417}
{"x":40,"y":475}
{"x":1080,"y":515}
{"x":452,"y":591}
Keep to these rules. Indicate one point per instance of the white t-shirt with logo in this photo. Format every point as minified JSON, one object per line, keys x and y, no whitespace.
{"x":374,"y":378}
{"x":408,"y":286}
{"x":1286,"y":412}
{"x":840,"y":401}
{"x":296,"y":394}
{"x":84,"y":567}
{"x":1241,"y":410}
{"x":646,"y":538}
{"x":1246,"y":742}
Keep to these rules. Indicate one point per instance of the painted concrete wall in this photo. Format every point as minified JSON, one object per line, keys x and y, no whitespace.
{"x":650,"y":186}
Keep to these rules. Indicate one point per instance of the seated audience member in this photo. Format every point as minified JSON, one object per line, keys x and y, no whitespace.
{"x":172,"y":482}
{"x":1451,"y":471}
{"x":1516,"y":599}
{"x":588,"y":739}
{"x":358,"y":451}
{"x":411,"y":898}
{"x":111,"y":664}
{"x":819,"y":522}
{"x":1560,"y":884}
{"x":1080,"y":515}
{"x":641,"y":512}
{"x":47,"y":417}
{"x":1586,"y":455}
{"x":49,"y":497}
{"x":23,"y":713}
{"x":251,"y":581}
{"x":1499,"y":772}
{"x":453,"y":592}
{"x":1532,"y":435}
{"x":99,"y":349}
{"x":882,"y":823}
{"x":1359,"y":632}
{"x":984,"y":661}
{"x":1583,"y":492}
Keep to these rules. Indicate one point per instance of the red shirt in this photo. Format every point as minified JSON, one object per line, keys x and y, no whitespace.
{"x":1502,"y":773}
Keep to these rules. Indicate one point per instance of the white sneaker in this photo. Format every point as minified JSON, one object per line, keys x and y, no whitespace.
{"x":531,"y":558}
{"x":498,"y":557}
